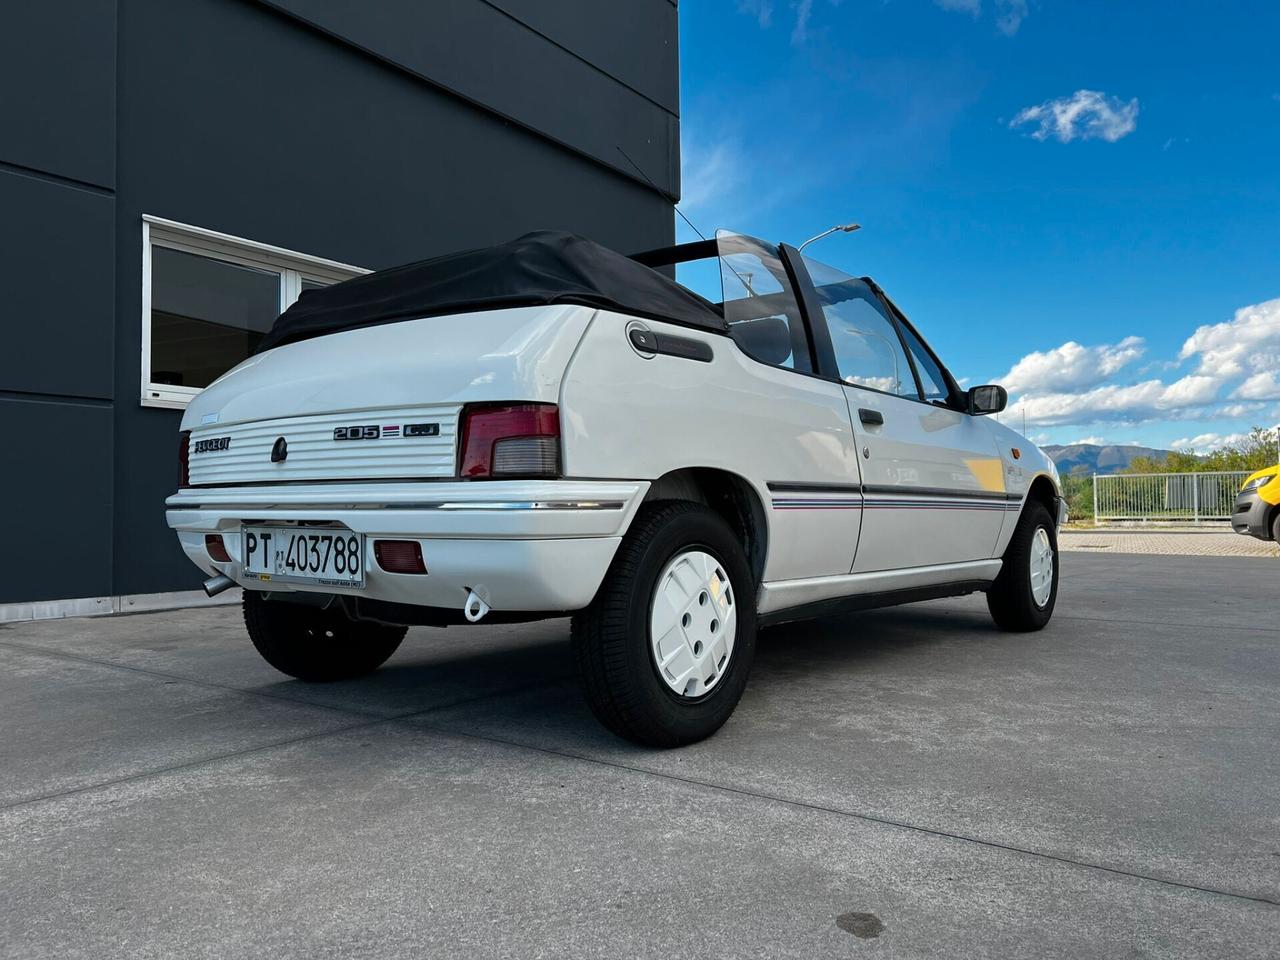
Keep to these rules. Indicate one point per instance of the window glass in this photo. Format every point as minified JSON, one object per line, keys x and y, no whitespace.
{"x":868,"y":351}
{"x":931,"y":378}
{"x":206,"y":315}
{"x":312,"y":285}
{"x":764,"y":318}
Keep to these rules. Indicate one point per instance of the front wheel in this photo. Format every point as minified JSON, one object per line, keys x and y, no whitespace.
{"x":665,"y":647}
{"x":1023,"y":595}
{"x":316,"y":644}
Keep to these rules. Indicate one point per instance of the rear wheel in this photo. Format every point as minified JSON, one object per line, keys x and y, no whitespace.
{"x":314,"y":644}
{"x":665,"y":647}
{"x":1023,"y":595}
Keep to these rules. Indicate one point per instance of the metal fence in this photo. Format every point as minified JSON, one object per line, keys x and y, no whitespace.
{"x":1177,"y":497}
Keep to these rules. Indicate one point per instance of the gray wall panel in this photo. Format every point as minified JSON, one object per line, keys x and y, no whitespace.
{"x":472,"y":48}
{"x":267,"y":130}
{"x":58,"y":278}
{"x":58,"y":504}
{"x":635,"y":41}
{"x":58,"y":77}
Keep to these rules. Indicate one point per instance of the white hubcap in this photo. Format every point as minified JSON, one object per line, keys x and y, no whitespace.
{"x":693,"y":623}
{"x":1041,"y":567}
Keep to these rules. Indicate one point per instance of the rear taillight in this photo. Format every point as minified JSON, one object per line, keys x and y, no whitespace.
{"x":184,"y":458}
{"x":510,"y":440}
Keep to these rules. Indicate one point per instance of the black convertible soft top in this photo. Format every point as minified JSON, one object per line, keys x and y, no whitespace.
{"x":540,"y":268}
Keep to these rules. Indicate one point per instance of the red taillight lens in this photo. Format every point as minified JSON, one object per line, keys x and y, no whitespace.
{"x":510,"y":440}
{"x":216,"y":549}
{"x":399,"y":556}
{"x":184,"y":458}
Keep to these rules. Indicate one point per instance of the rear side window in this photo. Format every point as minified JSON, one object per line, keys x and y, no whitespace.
{"x":764,"y":318}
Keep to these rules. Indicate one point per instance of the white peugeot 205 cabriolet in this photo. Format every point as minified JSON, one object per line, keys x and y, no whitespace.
{"x":548,"y":428}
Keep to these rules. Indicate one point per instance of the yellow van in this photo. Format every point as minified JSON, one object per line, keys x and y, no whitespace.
{"x":1257,"y":511}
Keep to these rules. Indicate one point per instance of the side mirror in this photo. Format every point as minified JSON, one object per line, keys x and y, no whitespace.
{"x":991,"y":398}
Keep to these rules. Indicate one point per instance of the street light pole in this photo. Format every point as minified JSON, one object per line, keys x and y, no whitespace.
{"x":841,"y":228}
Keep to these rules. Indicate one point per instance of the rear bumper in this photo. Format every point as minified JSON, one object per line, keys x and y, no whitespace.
{"x":525,"y":546}
{"x":1250,"y":515}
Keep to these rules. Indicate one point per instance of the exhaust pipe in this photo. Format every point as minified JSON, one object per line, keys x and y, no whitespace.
{"x":215,"y":585}
{"x":475,"y":607}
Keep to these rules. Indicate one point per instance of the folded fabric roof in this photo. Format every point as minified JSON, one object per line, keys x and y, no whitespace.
{"x":539,"y":268}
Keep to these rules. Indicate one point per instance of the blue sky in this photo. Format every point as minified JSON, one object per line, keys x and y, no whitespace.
{"x":1079,"y":199}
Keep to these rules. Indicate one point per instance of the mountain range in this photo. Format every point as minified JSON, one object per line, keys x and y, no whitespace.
{"x":1096,"y":458}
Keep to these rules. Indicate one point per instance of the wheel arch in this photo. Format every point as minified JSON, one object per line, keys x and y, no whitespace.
{"x":731,"y":496}
{"x":1043,"y":490}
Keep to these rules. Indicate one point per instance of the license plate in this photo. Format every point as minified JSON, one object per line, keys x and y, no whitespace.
{"x":328,"y":556}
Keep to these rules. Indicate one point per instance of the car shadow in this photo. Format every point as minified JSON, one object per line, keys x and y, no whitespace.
{"x":517,"y":688}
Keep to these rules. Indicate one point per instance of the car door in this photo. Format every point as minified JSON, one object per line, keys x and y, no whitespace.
{"x":932,"y":479}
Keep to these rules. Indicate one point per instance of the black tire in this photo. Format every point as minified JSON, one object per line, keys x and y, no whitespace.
{"x":611,"y":637}
{"x":316,"y":645}
{"x":1275,"y":525}
{"x":1010,"y":600}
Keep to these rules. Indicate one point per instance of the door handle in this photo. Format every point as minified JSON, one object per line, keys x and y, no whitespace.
{"x":872,"y":417}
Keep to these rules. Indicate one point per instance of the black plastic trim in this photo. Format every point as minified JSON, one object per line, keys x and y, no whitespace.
{"x":869,"y":416}
{"x":906,"y":490}
{"x":815,"y":322}
{"x":872,"y":601}
{"x":673,"y":346}
{"x":814,"y":487}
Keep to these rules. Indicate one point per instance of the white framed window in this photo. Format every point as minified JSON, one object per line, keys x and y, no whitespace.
{"x":207,"y":300}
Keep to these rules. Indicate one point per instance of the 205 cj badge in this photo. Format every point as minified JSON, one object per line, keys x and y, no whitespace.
{"x":388,"y":432}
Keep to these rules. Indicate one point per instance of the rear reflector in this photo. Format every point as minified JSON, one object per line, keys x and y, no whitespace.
{"x":510,"y":440}
{"x":214,"y":546}
{"x":399,"y":556}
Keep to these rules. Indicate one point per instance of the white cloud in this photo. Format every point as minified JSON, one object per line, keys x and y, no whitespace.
{"x":709,"y":171}
{"x":1139,"y":401}
{"x":971,"y":7}
{"x":1260,"y":386}
{"x":1240,"y":409}
{"x":1249,"y":342}
{"x":1257,"y":386}
{"x":1009,"y":15}
{"x":1236,"y":377}
{"x":761,"y":10}
{"x":1085,"y":115}
{"x":804,"y":10}
{"x":1208,"y":442}
{"x":1090,"y":441}
{"x":1071,"y":366}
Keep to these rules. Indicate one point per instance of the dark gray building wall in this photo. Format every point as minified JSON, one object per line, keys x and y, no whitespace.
{"x":57,"y":314}
{"x":368,"y":134}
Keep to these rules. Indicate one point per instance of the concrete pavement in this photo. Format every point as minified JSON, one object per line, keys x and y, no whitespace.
{"x":903,"y":783}
{"x":1162,"y":542}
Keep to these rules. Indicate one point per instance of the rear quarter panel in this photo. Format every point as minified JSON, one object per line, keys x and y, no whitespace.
{"x":624,"y":416}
